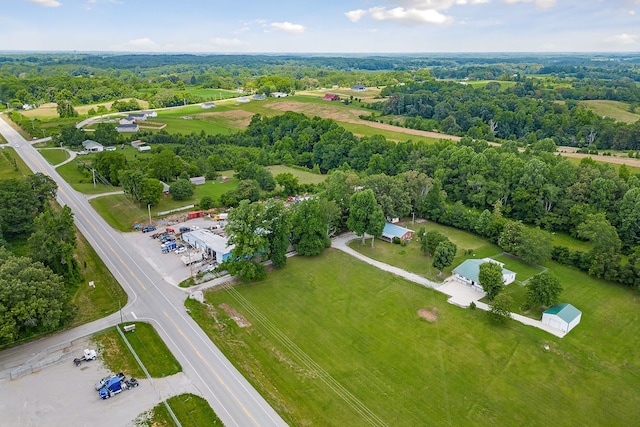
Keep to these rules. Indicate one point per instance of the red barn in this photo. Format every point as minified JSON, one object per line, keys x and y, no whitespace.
{"x":331,"y":97}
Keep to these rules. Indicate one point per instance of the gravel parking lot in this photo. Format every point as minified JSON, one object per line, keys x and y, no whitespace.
{"x":64,"y":395}
{"x":169,"y":265}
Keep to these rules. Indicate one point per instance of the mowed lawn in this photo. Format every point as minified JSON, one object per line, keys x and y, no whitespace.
{"x":615,"y":109}
{"x":11,"y":164}
{"x":54,"y":156}
{"x":122,"y":214}
{"x":336,"y":342}
{"x":411,"y":258}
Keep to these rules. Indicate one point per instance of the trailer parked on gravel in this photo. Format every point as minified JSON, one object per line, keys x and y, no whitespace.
{"x":192,"y":257}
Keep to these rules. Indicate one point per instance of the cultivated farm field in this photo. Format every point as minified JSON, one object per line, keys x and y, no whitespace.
{"x":345,"y":346}
{"x":615,"y":109}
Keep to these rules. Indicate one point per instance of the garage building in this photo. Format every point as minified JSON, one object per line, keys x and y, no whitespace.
{"x":562,"y":316}
{"x":214,"y":245}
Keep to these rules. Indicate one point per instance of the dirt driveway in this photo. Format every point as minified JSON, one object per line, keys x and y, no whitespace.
{"x":64,"y":395}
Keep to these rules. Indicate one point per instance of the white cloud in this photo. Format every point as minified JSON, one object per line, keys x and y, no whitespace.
{"x":543,"y":4}
{"x":412,"y":11}
{"x":418,"y":16}
{"x":622,"y":39}
{"x":46,"y":3}
{"x":355,"y":15}
{"x":137,"y":45}
{"x":222,"y":42}
{"x":288,"y":27}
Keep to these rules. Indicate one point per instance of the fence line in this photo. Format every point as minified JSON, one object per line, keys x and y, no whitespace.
{"x":144,"y":369}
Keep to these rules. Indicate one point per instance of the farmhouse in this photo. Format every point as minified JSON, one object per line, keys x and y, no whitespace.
{"x":209,"y":242}
{"x":358,"y":88}
{"x":562,"y":316}
{"x":150,"y":114}
{"x":207,"y":105}
{"x":330,"y":97}
{"x":392,"y":231}
{"x":197,"y":180}
{"x":92,"y":146}
{"x":467,"y":273}
{"x":137,"y":116}
{"x":133,"y":127}
{"x":127,"y":120}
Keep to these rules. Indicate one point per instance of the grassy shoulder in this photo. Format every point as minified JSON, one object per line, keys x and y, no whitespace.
{"x":54,"y":156}
{"x":146,"y":342}
{"x":323,"y":338}
{"x":102,"y":299}
{"x":11,"y":164}
{"x":189,"y":409}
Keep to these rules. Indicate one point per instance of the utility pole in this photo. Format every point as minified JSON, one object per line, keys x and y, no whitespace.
{"x":120,"y":310}
{"x":93,"y":172}
{"x":149,"y":208}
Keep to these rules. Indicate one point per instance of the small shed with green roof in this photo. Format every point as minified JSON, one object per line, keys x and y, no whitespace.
{"x":562,"y":316}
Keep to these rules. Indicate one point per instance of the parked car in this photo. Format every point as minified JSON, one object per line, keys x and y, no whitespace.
{"x":148,"y":228}
{"x":181,"y":250}
{"x":184,"y":229}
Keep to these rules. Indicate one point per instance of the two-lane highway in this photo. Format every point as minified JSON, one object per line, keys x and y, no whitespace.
{"x":152,"y":299}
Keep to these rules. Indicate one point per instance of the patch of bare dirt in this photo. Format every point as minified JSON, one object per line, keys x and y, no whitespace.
{"x":429,"y":315}
{"x":620,"y":159}
{"x":240,"y":118}
{"x":237,"y":317}
{"x":349,"y":116}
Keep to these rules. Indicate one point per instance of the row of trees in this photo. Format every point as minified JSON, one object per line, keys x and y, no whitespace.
{"x":526,"y":112}
{"x":35,"y":290}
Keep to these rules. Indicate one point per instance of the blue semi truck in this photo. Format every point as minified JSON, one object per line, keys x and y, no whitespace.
{"x":115,"y":385}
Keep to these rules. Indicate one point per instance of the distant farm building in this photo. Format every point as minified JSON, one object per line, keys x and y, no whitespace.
{"x":467,"y":273}
{"x":207,"y":105}
{"x":137,"y":143}
{"x":562,"y":316}
{"x":259,"y":97}
{"x":150,"y":113}
{"x":279,"y":94}
{"x":141,"y":117}
{"x":358,"y":88}
{"x":133,"y":127}
{"x":392,"y":231}
{"x":197,"y":180}
{"x":126,"y":121}
{"x":92,"y":146}
{"x":143,"y":148}
{"x":244,"y":99}
{"x":330,"y":97}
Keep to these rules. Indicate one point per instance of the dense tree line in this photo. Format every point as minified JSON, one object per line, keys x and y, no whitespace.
{"x":35,"y":289}
{"x":526,"y":112}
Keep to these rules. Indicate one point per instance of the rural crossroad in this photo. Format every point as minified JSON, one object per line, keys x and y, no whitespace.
{"x":151,"y":299}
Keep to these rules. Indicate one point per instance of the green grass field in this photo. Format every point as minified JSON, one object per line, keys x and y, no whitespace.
{"x":229,"y":117}
{"x":412,"y":259}
{"x":12,"y":165}
{"x":54,"y":156}
{"x":105,"y":297}
{"x":146,"y":342}
{"x":344,"y":346}
{"x":189,"y":409}
{"x":121,"y":213}
{"x":615,"y":109}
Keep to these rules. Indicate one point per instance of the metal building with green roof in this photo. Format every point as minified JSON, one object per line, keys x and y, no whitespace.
{"x":562,"y":316}
{"x":467,"y":273}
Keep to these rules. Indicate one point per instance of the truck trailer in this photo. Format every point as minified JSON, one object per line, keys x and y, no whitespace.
{"x":192,"y":257}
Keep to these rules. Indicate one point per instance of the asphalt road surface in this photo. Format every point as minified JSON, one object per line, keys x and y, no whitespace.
{"x":151,"y":299}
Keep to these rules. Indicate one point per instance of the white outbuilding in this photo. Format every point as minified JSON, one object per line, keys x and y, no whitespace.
{"x":564,"y":317}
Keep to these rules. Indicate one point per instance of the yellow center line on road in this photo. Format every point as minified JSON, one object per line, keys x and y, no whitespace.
{"x":206,"y":362}
{"x":117,"y":255}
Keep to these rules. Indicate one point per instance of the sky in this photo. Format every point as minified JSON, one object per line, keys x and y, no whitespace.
{"x":327,"y":26}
